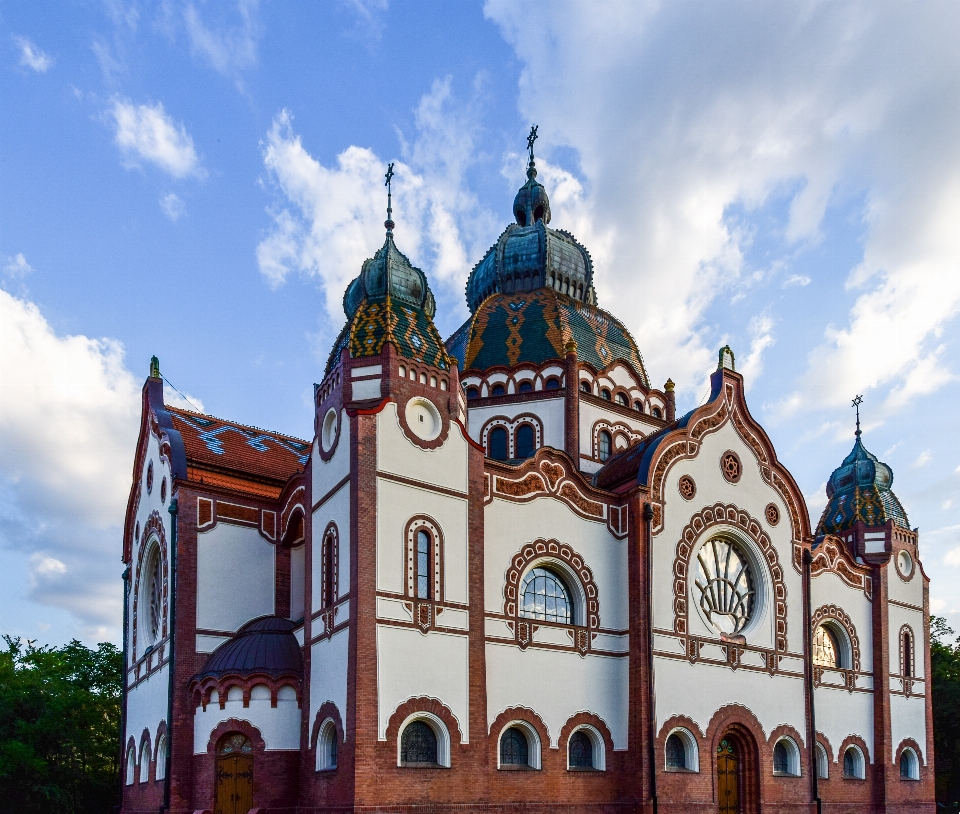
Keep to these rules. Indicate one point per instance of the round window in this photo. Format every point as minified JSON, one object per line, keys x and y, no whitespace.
{"x":423,"y":418}
{"x":328,"y":433}
{"x":725,"y":585}
{"x":905,"y":564}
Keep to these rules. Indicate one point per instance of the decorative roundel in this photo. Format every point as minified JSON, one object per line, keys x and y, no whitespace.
{"x":423,"y":418}
{"x":149,"y":477}
{"x":730,"y":466}
{"x":329,"y":430}
{"x":772,"y":513}
{"x":904,"y":564}
{"x":687,"y":487}
{"x":163,"y":491}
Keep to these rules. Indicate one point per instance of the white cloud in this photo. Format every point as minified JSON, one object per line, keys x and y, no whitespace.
{"x":922,"y":459}
{"x":173,"y":207}
{"x":798,"y":280}
{"x":32,"y":57}
{"x":952,"y":557}
{"x":17,"y":267}
{"x":816,"y":502}
{"x":147,"y":132}
{"x":761,"y":338}
{"x":329,"y":219}
{"x":228,"y":49}
{"x":69,"y":416}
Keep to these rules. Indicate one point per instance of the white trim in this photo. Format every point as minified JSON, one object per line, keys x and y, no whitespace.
{"x":913,"y":771}
{"x":161,"y":771}
{"x":326,"y":737}
{"x":858,"y":762}
{"x":131,"y":765}
{"x":823,"y":762}
{"x":691,"y":750}
{"x":533,"y":742}
{"x":145,"y":760}
{"x":793,"y":757}
{"x":439,"y":729}
{"x":599,"y":746}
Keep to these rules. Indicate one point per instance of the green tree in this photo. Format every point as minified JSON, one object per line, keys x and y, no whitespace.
{"x":59,"y":728}
{"x":945,"y":656}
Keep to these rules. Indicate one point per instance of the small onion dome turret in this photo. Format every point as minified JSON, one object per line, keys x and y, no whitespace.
{"x":264,"y":646}
{"x":859,"y":490}
{"x":529,"y":255}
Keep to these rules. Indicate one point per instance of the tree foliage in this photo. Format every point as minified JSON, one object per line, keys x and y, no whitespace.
{"x":59,"y":728}
{"x":945,"y":656}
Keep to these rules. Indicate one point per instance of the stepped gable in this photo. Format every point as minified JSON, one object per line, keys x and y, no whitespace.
{"x":214,"y":442}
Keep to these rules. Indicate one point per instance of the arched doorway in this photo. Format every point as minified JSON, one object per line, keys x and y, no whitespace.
{"x":737,"y":775}
{"x":234,"y":780}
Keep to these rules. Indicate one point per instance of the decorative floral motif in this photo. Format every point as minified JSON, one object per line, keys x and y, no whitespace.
{"x":730,"y":466}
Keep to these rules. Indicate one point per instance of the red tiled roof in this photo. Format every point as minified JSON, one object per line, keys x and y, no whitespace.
{"x":227,"y":445}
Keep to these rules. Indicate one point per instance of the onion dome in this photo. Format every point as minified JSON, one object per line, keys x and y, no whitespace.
{"x":859,"y":490}
{"x":264,"y":646}
{"x":529,"y":255}
{"x":535,"y":327}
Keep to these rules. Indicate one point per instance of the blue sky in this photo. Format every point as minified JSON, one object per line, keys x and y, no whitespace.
{"x":200,"y":180}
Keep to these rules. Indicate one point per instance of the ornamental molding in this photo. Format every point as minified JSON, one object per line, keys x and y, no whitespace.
{"x":832,"y":556}
{"x":727,"y":515}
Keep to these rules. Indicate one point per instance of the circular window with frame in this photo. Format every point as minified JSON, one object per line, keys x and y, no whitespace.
{"x":687,"y":487}
{"x":730,"y":466}
{"x":904,"y":564}
{"x":728,"y":586}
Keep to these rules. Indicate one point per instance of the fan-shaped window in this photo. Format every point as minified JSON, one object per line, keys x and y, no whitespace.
{"x":725,"y":581}
{"x":853,"y":763}
{"x":605,"y":394}
{"x":524,"y":441}
{"x":498,"y":390}
{"x":823,"y":764}
{"x":543,"y":595}
{"x":473,"y":393}
{"x":418,"y":745}
{"x":585,"y":386}
{"x":161,"y":771}
{"x":235,"y":744}
{"x":604,"y":445}
{"x":553,"y":383}
{"x":622,"y":400}
{"x":657,"y":412}
{"x":826,"y":648}
{"x":909,"y":765}
{"x":497,"y":444}
{"x":327,"y":742}
{"x":525,"y":387}
{"x":676,"y":753}
{"x":424,"y":561}
{"x":580,"y":751}
{"x":514,"y":749}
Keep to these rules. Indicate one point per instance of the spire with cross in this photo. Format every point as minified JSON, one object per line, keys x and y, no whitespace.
{"x":531,"y":167}
{"x":857,"y":401}
{"x":388,"y":223}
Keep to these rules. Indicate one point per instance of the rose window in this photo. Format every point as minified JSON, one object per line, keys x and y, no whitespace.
{"x":726,"y":586}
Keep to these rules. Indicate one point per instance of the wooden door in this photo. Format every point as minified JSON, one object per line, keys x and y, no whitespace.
{"x":728,"y":778}
{"x":234,"y":787}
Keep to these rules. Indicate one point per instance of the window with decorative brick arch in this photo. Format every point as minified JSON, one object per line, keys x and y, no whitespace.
{"x":424,"y":544}
{"x":525,"y":441}
{"x":906,"y":652}
{"x":424,"y":742}
{"x":327,"y":743}
{"x":131,"y":774}
{"x":161,"y":770}
{"x":330,"y":555}
{"x":145,"y":759}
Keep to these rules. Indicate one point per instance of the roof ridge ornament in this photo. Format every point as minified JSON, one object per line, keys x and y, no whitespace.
{"x":857,"y":401}
{"x":388,"y":223}
{"x":531,"y":167}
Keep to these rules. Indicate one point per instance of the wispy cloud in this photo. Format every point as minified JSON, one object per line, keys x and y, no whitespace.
{"x":172,"y":206}
{"x":146,"y":132}
{"x":32,"y":57}
{"x":761,"y":338}
{"x":922,"y":459}
{"x":228,"y":48}
{"x":17,"y":267}
{"x":797,"y":280}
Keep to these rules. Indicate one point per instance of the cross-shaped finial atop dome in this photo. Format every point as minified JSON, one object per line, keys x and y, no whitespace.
{"x":389,"y":221}
{"x":530,"y":139}
{"x":857,"y":401}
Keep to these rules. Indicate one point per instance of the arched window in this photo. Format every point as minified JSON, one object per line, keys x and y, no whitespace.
{"x":152,"y":597}
{"x":826,"y":648}
{"x":424,"y":562}
{"x":853,"y":763}
{"x":657,"y":413}
{"x":131,"y":765}
{"x":514,"y":749}
{"x":622,"y":400}
{"x":525,"y":387}
{"x":907,"y":657}
{"x":543,"y":595}
{"x":327,"y":743}
{"x":638,"y":406}
{"x":604,"y":445}
{"x":161,"y":771}
{"x":786,"y":757}
{"x":524,"y":441}
{"x":498,"y":390}
{"x":473,"y":393}
{"x":725,"y":582}
{"x":605,"y":394}
{"x":909,"y":765}
{"x":553,"y":383}
{"x":580,"y":751}
{"x":676,"y":753}
{"x":145,"y":761}
{"x":823,"y":764}
{"x":418,"y":745}
{"x":585,"y":386}
{"x":497,"y":444}
{"x":329,"y":555}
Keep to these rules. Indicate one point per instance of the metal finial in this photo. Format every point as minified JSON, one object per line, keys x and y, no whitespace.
{"x":531,"y":169}
{"x":857,"y":401}
{"x":389,"y":221}
{"x":154,"y":367}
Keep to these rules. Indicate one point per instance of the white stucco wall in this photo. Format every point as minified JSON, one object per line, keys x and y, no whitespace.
{"x":279,"y":726}
{"x":826,"y":588}
{"x":841,"y":713}
{"x":549,"y":411}
{"x":412,"y":664}
{"x":326,"y":474}
{"x":336,"y":510}
{"x":445,"y":466}
{"x":908,"y":591}
{"x":907,"y":720}
{"x":557,"y":685}
{"x":235,"y":577}
{"x":328,"y":674}
{"x":899,"y":616}
{"x":147,"y":706}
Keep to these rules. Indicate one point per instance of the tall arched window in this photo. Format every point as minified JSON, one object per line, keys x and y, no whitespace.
{"x":145,"y":761}
{"x":153,"y":597}
{"x":418,"y":745}
{"x":497,"y":444}
{"x":907,"y":651}
{"x":604,"y":445}
{"x":909,"y":765}
{"x":329,"y":556}
{"x":514,"y":750}
{"x":781,"y":759}
{"x":676,"y":753}
{"x":853,"y":763}
{"x":826,"y":648}
{"x":423,"y":564}
{"x":524,"y":441}
{"x":580,"y":751}
{"x":544,"y":595}
{"x":161,"y":771}
{"x":327,"y":742}
{"x":823,"y":764}
{"x":131,"y":765}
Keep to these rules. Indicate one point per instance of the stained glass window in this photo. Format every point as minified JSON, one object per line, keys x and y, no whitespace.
{"x":826,"y":649}
{"x":676,"y":753}
{"x":544,"y":596}
{"x":514,"y":750}
{"x":418,"y":744}
{"x":423,"y":565}
{"x":726,"y":586}
{"x":581,"y":751}
{"x":236,"y":744}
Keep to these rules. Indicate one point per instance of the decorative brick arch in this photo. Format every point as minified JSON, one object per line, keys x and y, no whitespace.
{"x":235,"y":725}
{"x":912,"y":744}
{"x":552,"y":549}
{"x":153,"y":527}
{"x":328,"y":710}
{"x":786,"y":731}
{"x":511,"y":425}
{"x":831,"y":613}
{"x":424,"y":704}
{"x":737,"y":722}
{"x":528,"y":717}
{"x":574,"y":722}
{"x":728,"y":515}
{"x":861,"y":744}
